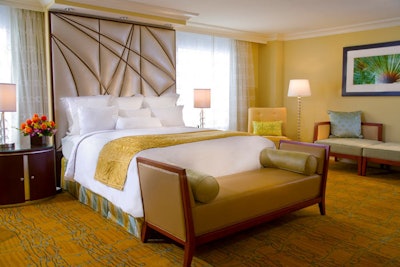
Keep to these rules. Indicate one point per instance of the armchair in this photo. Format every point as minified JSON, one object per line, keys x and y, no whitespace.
{"x":268,"y":115}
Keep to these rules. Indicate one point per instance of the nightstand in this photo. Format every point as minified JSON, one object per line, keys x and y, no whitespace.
{"x":26,"y":174}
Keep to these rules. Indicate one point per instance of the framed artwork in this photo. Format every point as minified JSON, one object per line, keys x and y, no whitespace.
{"x":371,"y":70}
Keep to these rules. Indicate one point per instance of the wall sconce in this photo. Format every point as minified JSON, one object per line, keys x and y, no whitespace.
{"x":299,"y":88}
{"x":7,"y":104}
{"x":202,"y":99}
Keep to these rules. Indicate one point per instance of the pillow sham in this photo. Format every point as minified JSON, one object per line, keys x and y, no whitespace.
{"x":72,"y":104}
{"x":171,"y":116}
{"x":345,"y":124}
{"x":97,"y":119}
{"x":163,"y":101}
{"x":205,"y":188}
{"x":128,"y":102}
{"x":273,"y":128}
{"x":137,"y":123}
{"x":295,"y":161}
{"x":143,"y":112}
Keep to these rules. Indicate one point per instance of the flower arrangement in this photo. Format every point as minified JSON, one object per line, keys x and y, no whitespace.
{"x":38,"y":126}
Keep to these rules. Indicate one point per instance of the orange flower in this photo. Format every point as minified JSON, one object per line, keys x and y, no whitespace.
{"x":38,"y":126}
{"x":28,"y":130}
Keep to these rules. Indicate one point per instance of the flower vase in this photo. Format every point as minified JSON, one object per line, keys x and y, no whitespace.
{"x":38,"y":141}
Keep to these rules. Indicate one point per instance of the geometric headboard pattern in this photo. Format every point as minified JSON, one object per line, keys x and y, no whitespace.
{"x":96,"y":56}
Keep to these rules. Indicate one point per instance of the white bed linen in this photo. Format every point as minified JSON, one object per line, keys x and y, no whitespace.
{"x":216,"y":157}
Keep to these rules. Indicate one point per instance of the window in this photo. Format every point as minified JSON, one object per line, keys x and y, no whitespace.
{"x":204,"y":61}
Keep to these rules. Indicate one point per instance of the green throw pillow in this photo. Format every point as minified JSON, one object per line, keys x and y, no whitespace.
{"x":205,"y":188}
{"x":267,"y":128}
{"x":345,"y":124}
{"x":295,"y":161}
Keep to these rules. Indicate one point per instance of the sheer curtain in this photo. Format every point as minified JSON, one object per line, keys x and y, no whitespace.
{"x":29,"y":62}
{"x":25,"y":50}
{"x":223,"y":65}
{"x":5,"y":62}
{"x":243,"y":84}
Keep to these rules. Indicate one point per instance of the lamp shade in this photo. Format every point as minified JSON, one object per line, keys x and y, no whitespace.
{"x":202,"y":98}
{"x":8,"y":97}
{"x":299,"y":87}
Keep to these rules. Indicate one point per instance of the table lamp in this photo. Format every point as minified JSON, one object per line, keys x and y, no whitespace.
{"x":7,"y":104}
{"x":202,"y":99}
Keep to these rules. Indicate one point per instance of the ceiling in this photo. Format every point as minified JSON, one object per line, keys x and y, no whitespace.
{"x":253,"y":20}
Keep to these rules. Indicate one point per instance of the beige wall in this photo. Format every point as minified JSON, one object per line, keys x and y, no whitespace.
{"x":320,"y":61}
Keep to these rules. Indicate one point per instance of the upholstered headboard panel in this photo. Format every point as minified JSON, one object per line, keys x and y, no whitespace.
{"x":93,"y":56}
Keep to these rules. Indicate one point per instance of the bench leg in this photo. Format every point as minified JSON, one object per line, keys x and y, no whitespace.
{"x":189,"y":251}
{"x":360,"y":161}
{"x":363,"y":167}
{"x":321,"y":206}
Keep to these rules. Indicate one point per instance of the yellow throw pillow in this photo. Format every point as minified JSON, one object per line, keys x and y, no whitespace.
{"x":267,"y":128}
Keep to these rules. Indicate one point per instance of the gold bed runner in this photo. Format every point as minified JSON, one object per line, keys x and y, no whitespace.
{"x":114,"y":158}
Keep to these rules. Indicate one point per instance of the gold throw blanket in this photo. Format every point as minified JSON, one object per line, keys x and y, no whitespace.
{"x":114,"y":158}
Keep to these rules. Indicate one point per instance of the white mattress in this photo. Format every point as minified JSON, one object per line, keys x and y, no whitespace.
{"x":216,"y":157}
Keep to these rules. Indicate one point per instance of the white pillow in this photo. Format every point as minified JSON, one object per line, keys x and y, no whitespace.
{"x":72,"y":104}
{"x":163,"y":101}
{"x":128,"y":102}
{"x":143,"y":112}
{"x":97,"y":119}
{"x":137,"y":123}
{"x":171,"y":116}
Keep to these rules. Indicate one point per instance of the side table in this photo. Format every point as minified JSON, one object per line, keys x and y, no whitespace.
{"x":27,"y":174}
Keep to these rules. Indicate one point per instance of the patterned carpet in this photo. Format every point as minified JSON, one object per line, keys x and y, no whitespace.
{"x":361,"y":228}
{"x":64,"y":232}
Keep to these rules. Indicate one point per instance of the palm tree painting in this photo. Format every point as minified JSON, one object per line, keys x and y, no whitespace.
{"x":382,"y":69}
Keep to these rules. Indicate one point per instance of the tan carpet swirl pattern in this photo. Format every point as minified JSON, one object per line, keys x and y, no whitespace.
{"x":361,"y":228}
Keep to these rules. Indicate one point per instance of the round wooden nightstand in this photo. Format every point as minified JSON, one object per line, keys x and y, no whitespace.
{"x":26,"y":174}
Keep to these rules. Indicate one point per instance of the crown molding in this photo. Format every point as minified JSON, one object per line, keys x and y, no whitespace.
{"x":34,"y":5}
{"x":127,"y":10}
{"x":373,"y":25}
{"x":265,"y":38}
{"x":224,"y":32}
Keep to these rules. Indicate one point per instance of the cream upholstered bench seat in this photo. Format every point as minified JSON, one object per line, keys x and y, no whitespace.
{"x":350,"y":148}
{"x":383,"y":153}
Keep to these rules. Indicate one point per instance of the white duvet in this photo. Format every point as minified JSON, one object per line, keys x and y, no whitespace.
{"x":216,"y":157}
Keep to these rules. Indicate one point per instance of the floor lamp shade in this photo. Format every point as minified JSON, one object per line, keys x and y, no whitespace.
{"x":299,"y":88}
{"x":8,"y":103}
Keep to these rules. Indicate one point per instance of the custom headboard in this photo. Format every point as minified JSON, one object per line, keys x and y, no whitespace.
{"x":96,"y":56}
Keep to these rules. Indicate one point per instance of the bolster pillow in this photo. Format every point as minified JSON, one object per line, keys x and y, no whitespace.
{"x":204,"y":187}
{"x":294,"y":161}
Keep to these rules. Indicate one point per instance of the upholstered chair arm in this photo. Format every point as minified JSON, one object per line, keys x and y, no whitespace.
{"x":372,"y":131}
{"x":322,"y":130}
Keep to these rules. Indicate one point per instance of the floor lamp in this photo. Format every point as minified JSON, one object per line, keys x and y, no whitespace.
{"x":299,"y":88}
{"x":202,"y":99}
{"x":7,"y":104}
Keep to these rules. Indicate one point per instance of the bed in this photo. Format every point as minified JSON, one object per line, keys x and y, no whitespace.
{"x":113,"y":81}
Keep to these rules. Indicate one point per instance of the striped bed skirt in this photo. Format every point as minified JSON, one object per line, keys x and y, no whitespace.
{"x":98,"y":203}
